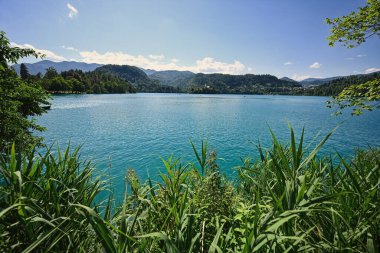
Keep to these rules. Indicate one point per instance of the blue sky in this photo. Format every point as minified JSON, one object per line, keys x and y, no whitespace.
{"x":279,"y":37}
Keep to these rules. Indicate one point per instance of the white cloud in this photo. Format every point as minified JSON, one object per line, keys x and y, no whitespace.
{"x":70,"y":48}
{"x":288,"y":63}
{"x":371,"y":70}
{"x":250,"y":70}
{"x":315,"y":65}
{"x":73,"y":11}
{"x":209,"y":65}
{"x":300,"y":77}
{"x":49,"y":55}
{"x":361,"y":55}
{"x":156,"y":56}
{"x":204,"y":65}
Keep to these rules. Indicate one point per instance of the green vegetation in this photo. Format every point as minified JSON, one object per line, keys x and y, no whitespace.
{"x":137,"y":78}
{"x":352,"y":96}
{"x":352,"y":30}
{"x":77,"y":81}
{"x":240,"y":84}
{"x":20,"y":99}
{"x":288,"y":201}
{"x":356,"y":27}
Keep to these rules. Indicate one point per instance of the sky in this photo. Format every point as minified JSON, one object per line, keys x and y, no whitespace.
{"x":278,"y":37}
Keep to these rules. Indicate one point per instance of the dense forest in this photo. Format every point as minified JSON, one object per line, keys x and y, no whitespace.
{"x":240,"y":84}
{"x":137,"y":78}
{"x":77,"y":81}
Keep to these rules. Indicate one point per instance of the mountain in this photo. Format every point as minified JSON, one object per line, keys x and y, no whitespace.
{"x":288,"y":79}
{"x":130,"y":73}
{"x":149,"y":71}
{"x":318,"y":81}
{"x":137,"y":77}
{"x":41,"y":66}
{"x":172,"y":78}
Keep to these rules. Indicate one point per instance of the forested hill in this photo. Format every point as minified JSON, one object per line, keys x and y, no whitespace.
{"x":173,"y":78}
{"x":335,"y":86}
{"x":136,"y":77}
{"x":240,"y":84}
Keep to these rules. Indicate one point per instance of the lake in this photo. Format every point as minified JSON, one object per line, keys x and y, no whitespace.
{"x":136,"y":130}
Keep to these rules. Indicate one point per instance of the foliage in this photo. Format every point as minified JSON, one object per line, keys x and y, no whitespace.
{"x":38,"y":198}
{"x":20,"y":99}
{"x":288,"y":201}
{"x":24,"y":73}
{"x":77,"y":81}
{"x":357,"y":27}
{"x":352,"y":30}
{"x":365,"y":96}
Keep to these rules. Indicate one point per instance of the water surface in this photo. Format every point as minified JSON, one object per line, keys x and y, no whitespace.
{"x":137,"y":130}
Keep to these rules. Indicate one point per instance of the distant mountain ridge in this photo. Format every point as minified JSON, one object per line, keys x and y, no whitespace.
{"x":318,"y":81}
{"x":41,"y":66}
{"x":288,"y":79}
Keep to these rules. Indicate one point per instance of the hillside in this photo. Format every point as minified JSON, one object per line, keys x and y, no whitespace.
{"x":318,"y":81}
{"x":288,"y":79}
{"x":137,"y":77}
{"x":240,"y":84}
{"x":172,"y":77}
{"x":41,"y":66}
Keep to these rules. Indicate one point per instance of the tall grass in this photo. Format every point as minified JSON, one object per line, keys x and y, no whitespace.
{"x":287,"y":201}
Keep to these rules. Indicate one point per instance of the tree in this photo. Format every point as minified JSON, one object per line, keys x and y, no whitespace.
{"x":20,"y":99}
{"x":50,"y":73}
{"x":352,"y":30}
{"x":357,"y":27}
{"x":24,"y":73}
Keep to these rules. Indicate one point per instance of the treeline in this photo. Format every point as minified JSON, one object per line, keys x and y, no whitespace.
{"x":77,"y":81}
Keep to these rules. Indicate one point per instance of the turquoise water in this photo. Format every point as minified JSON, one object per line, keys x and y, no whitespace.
{"x":136,"y":130}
